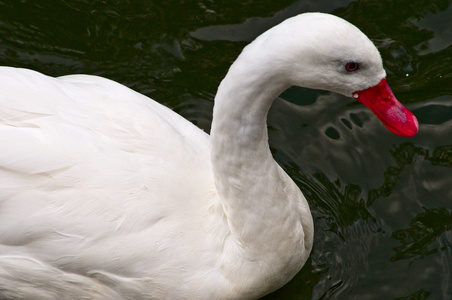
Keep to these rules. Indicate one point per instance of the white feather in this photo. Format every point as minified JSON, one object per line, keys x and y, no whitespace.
{"x":105,"y":193}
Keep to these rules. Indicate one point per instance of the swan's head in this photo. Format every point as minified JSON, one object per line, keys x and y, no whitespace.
{"x":322,"y":51}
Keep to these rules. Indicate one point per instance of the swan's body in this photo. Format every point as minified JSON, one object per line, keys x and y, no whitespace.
{"x":106,"y":193}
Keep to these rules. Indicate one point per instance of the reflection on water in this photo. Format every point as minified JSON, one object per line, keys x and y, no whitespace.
{"x":424,"y":231}
{"x":433,"y":114}
{"x":404,"y":155}
{"x":382,"y":204}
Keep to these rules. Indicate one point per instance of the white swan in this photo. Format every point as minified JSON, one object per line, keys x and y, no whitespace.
{"x":107,"y":194}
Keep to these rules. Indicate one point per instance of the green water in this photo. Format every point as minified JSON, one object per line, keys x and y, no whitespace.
{"x":382,"y":204}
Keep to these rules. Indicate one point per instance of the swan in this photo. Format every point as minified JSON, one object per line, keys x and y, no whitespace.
{"x":106,"y":194}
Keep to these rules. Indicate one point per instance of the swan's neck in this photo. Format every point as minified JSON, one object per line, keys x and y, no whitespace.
{"x":242,"y":162}
{"x":265,"y":210}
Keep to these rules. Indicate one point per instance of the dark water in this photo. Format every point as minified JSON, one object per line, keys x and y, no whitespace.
{"x":382,"y":204}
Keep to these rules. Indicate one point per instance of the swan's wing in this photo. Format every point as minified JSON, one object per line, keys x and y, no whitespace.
{"x":27,"y":278}
{"x":85,"y":159}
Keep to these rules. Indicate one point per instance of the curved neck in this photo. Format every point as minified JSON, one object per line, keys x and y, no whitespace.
{"x":240,"y":152}
{"x":265,"y":210}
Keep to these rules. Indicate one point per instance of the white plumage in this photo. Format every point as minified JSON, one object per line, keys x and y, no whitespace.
{"x":107,"y":194}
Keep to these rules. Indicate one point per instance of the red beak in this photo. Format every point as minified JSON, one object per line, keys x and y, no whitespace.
{"x":382,"y":102}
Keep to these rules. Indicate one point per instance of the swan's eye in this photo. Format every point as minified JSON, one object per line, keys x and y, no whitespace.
{"x":352,"y":66}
